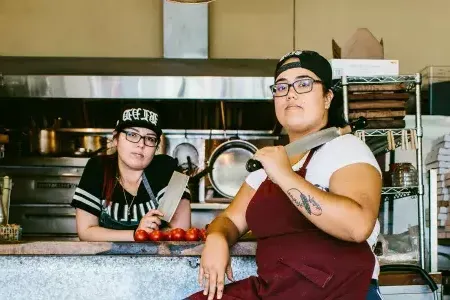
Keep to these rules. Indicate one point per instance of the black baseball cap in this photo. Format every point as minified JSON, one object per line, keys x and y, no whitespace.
{"x":139,"y":115}
{"x":309,"y":60}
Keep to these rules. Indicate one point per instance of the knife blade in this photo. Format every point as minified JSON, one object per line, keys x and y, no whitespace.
{"x":313,"y":140}
{"x":172,"y":196}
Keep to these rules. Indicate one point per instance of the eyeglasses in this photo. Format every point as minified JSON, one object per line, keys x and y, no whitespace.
{"x":134,"y":137}
{"x":301,"y":86}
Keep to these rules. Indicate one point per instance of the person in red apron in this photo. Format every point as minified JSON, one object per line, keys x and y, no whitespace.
{"x":311,"y":213}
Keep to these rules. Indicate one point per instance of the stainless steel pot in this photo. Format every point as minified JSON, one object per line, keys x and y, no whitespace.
{"x":227,"y":166}
{"x":90,"y":144}
{"x":56,"y":143}
{"x":50,"y":142}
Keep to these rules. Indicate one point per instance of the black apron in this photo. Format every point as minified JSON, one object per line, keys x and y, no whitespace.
{"x":107,"y":221}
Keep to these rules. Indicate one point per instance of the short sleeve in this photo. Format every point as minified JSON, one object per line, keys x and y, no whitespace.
{"x":256,"y":178}
{"x":89,"y":190}
{"x":372,"y":239}
{"x":347,"y":150}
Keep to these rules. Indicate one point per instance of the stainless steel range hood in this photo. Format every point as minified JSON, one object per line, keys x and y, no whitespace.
{"x":185,"y":72}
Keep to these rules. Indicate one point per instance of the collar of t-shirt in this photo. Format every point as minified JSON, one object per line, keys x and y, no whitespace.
{"x":300,"y":163}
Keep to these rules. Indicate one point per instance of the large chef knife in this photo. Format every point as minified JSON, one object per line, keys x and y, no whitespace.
{"x":313,"y":140}
{"x":172,"y":196}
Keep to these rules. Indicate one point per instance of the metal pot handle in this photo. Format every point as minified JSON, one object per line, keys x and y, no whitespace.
{"x":200,"y":174}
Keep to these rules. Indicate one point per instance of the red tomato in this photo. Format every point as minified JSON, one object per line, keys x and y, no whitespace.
{"x":193,"y":234}
{"x":140,"y":236}
{"x":156,"y":235}
{"x":167,"y":235}
{"x":177,"y":234}
{"x":203,"y":234}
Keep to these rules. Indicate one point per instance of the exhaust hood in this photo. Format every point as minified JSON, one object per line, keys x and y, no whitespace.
{"x":185,"y":71}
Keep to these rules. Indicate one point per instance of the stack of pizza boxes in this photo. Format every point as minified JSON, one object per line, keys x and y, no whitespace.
{"x":439,"y":159}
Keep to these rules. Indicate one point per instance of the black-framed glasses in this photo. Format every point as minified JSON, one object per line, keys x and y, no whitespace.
{"x":134,"y":137}
{"x":301,"y":86}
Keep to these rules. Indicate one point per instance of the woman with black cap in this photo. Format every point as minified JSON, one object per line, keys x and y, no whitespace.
{"x":119,"y":193}
{"x":311,"y":213}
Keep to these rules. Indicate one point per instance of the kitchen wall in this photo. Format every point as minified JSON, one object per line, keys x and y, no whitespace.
{"x":108,"y":28}
{"x":413,"y":33}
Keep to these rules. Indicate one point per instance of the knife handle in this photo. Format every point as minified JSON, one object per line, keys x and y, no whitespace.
{"x":360,"y":123}
{"x":253,"y":165}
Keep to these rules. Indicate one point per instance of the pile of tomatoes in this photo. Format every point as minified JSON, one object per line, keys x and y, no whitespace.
{"x":177,"y":234}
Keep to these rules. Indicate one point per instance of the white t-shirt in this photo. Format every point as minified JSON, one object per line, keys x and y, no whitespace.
{"x":332,"y":156}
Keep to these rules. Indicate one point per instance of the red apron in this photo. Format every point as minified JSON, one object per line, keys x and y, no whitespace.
{"x":295,"y":259}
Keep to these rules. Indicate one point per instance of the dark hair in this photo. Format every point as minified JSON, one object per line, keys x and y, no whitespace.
{"x":110,"y":168}
{"x":336,"y":109}
{"x":110,"y":165}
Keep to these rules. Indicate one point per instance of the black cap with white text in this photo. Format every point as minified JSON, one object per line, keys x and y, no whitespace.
{"x":139,"y":115}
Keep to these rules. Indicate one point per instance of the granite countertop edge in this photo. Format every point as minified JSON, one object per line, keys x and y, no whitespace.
{"x":244,"y":248}
{"x":160,"y":249}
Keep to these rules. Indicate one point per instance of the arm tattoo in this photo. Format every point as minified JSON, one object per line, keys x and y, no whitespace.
{"x":301,"y":200}
{"x":305,"y":202}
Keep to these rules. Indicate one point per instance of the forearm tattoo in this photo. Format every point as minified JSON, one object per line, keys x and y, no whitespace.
{"x":301,"y":200}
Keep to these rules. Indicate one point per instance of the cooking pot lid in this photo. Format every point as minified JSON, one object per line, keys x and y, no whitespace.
{"x":229,"y":172}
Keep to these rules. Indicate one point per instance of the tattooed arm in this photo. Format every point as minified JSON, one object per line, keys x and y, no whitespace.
{"x":311,"y":206}
{"x":349,"y":210}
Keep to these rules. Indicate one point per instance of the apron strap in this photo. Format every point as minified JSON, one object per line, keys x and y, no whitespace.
{"x":303,"y":169}
{"x":153,"y":201}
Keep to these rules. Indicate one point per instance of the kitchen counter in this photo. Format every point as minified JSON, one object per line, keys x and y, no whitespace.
{"x":117,"y":248}
{"x":130,"y":270}
{"x":209,"y":206}
{"x":108,"y":270}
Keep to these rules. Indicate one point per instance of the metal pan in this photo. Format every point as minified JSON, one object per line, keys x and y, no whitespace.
{"x":187,"y":157}
{"x":226,"y":166}
{"x":227,"y":170}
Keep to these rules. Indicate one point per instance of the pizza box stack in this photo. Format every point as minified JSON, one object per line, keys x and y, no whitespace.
{"x":439,"y":159}
{"x":384,"y":106}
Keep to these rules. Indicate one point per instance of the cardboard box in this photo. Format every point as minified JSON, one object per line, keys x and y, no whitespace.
{"x":364,"y":67}
{"x":361,"y":45}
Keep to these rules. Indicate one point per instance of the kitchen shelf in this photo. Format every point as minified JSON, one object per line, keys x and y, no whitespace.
{"x":376,"y":139}
{"x":393,"y":193}
{"x":379,"y":146}
{"x":383,"y":132}
{"x":381,"y":79}
{"x":390,"y":193}
{"x":181,"y":133}
{"x":398,"y":190}
{"x":354,"y":80}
